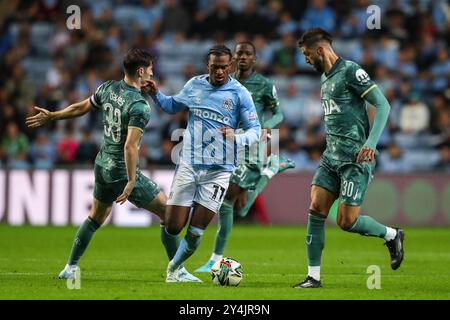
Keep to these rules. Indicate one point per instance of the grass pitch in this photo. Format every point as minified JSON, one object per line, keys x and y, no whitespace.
{"x":125,"y":263}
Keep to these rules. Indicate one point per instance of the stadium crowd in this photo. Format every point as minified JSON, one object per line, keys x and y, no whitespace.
{"x":44,"y":63}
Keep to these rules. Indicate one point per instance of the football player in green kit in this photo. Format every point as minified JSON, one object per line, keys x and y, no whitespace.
{"x":347,"y":165}
{"x":249,"y":179}
{"x":117,"y":176}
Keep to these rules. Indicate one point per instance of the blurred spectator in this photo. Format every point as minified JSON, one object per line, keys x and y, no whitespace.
{"x":221,"y":20}
{"x":292,"y":105}
{"x":272,"y":15}
{"x":396,"y":25}
{"x":414,"y":116}
{"x":175,"y":19}
{"x":318,"y":15}
{"x":6,"y":41}
{"x":405,"y":62}
{"x":42,"y":152}
{"x":149,"y":16}
{"x":167,"y":148}
{"x":14,"y":147}
{"x":444,"y":162}
{"x":9,"y":114}
{"x":291,"y":149}
{"x":87,"y":148}
{"x":264,"y":53}
{"x":250,"y":20}
{"x":441,"y":68}
{"x":284,"y":59}
{"x":287,"y":24}
{"x":60,"y":38}
{"x":67,"y":147}
{"x":393,"y":160}
{"x":355,"y":24}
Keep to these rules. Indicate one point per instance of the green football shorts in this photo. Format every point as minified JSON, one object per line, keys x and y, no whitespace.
{"x":347,"y":180}
{"x":109,"y":184}
{"x":246,"y":176}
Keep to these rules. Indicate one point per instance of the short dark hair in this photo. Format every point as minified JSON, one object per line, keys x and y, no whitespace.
{"x":219,"y":50}
{"x":313,"y":36}
{"x":247,"y":43}
{"x":136,"y":58}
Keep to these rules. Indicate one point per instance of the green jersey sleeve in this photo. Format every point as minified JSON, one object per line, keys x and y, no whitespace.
{"x":358,"y":80}
{"x":139,"y":115}
{"x":271,"y":97}
{"x":98,"y":97}
{"x":271,"y":101}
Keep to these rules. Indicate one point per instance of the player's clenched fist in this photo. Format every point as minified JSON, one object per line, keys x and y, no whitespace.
{"x":150,"y":87}
{"x":365,"y":155}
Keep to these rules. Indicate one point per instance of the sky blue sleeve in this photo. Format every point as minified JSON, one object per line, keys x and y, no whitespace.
{"x":168,"y":103}
{"x":249,"y":119}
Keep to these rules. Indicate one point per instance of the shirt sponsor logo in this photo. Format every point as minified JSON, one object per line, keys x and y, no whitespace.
{"x":207,"y":114}
{"x":362,"y":76}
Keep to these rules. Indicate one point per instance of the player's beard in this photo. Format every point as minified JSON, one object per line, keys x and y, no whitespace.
{"x":318,"y":65}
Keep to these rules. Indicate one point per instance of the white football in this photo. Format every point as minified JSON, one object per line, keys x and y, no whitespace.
{"x":227,"y":272}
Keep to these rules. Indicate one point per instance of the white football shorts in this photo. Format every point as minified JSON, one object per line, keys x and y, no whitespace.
{"x":206,"y":187}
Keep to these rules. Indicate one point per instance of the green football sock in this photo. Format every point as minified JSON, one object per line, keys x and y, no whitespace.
{"x":82,"y":239}
{"x":170,"y":242}
{"x":251,"y":195}
{"x":315,"y":237}
{"x":224,"y":227}
{"x":367,"y":226}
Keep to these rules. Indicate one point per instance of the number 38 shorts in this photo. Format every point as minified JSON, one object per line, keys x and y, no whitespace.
{"x":347,"y":180}
{"x":207,"y":187}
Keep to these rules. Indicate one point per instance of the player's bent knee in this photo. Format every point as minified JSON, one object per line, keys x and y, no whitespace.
{"x":345,"y":223}
{"x":233,"y":192}
{"x":319,"y":207}
{"x":173,"y":229}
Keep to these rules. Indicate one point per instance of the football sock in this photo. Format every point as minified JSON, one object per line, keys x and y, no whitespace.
{"x":315,"y":240}
{"x":224,"y":227}
{"x":252,"y":194}
{"x":367,"y":226}
{"x":170,"y":242}
{"x":187,"y":247}
{"x":314,"y":272}
{"x":82,"y":239}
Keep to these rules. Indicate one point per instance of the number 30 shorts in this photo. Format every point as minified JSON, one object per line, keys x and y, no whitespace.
{"x":347,"y":180}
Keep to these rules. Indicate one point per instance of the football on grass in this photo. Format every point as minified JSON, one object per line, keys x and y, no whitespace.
{"x":227,"y":272}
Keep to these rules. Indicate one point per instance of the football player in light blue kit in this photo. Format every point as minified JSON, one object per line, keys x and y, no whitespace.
{"x":216,"y":103}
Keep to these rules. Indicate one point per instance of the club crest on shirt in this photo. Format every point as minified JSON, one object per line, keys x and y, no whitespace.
{"x":228,"y":104}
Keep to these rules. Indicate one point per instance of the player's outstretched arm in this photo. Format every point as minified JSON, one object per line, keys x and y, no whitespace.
{"x":45,"y":116}
{"x":376,"y":98}
{"x":167,"y":103}
{"x":131,"y":150}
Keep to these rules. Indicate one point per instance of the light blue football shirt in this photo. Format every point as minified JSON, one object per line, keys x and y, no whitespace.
{"x":211,"y":108}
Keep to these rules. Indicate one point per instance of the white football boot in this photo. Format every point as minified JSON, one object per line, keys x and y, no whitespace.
{"x":180,"y":275}
{"x":68,"y":272}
